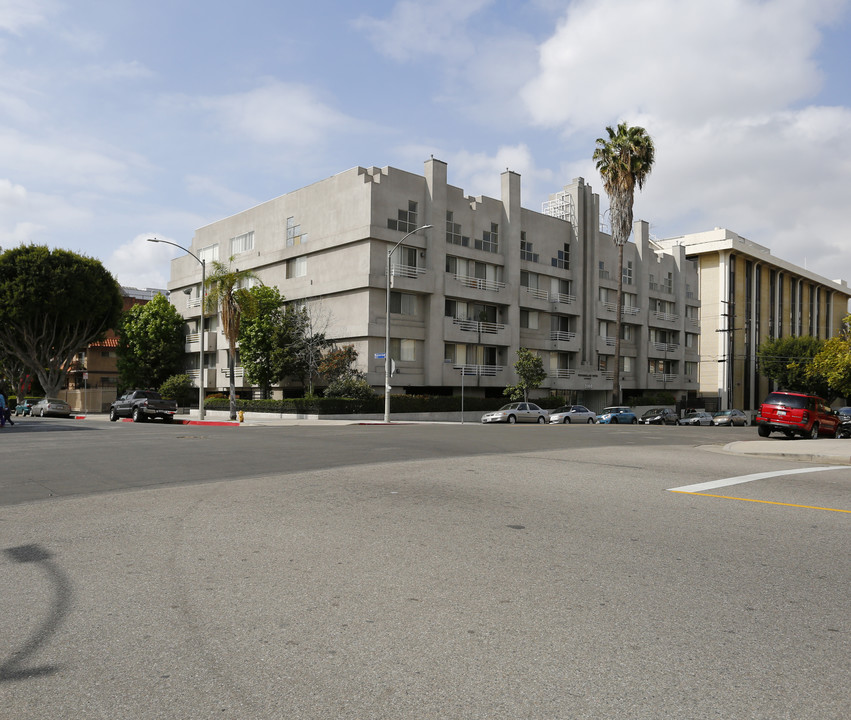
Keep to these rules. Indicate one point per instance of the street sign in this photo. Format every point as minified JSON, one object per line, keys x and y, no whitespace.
{"x":380,"y":356}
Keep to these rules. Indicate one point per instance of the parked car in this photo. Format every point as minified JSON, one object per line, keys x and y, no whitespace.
{"x":698,"y":417}
{"x":51,"y":406}
{"x":572,"y":414}
{"x":844,"y":413}
{"x":25,"y":406}
{"x":143,"y":405}
{"x":659,"y":416}
{"x":730,"y":418}
{"x":617,"y":414}
{"x":796,"y":414}
{"x":516,"y":412}
{"x":844,"y":429}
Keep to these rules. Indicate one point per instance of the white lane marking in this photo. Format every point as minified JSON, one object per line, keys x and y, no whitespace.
{"x":724,"y":482}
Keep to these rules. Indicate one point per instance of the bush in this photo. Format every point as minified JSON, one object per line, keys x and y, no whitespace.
{"x":180,"y":389}
{"x":350,"y":387}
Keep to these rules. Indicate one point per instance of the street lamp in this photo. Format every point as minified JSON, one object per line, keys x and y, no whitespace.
{"x":387,"y":325}
{"x":201,"y":326}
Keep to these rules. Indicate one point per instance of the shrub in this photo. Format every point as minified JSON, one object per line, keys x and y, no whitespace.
{"x":180,"y":389}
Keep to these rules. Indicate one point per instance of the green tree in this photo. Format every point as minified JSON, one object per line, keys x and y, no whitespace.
{"x":338,"y":363}
{"x":53,"y":303}
{"x":180,"y":389}
{"x":789,"y":362}
{"x":226,"y":295}
{"x":833,"y":362}
{"x":151,"y":344}
{"x":530,"y":371}
{"x":266,"y":339}
{"x":624,"y":160}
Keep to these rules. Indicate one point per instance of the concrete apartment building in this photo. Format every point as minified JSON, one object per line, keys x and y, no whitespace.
{"x":748,"y":296}
{"x":488,"y":278}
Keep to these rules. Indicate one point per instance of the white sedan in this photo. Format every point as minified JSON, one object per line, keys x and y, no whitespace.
{"x":516,"y":412}
{"x":696,"y":418}
{"x":572,"y":414}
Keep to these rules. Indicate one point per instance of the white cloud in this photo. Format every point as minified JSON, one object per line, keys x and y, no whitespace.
{"x":276,"y":113}
{"x":202,"y":186}
{"x":684,"y":61}
{"x":142,"y":264}
{"x":16,"y":15}
{"x":414,"y":29}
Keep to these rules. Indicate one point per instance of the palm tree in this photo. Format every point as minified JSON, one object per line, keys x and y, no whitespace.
{"x":624,"y":160}
{"x":225,"y":292}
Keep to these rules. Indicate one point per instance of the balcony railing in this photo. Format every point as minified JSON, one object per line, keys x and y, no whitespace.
{"x":667,"y":317}
{"x":625,"y":309}
{"x":562,"y":335}
{"x":480,"y":370}
{"x":563,"y":373}
{"x":666,"y":347}
{"x":193,"y":302}
{"x":407,"y":271}
{"x":564,"y":298}
{"x":609,"y":340}
{"x":536,"y":293}
{"x":479,"y":283}
{"x":478,"y":327}
{"x":238,"y":372}
{"x":665,"y":377}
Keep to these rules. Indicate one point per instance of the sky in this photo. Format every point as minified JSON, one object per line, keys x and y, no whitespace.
{"x":125,"y":120}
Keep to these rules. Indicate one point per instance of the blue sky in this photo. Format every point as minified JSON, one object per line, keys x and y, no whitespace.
{"x":123,"y":120}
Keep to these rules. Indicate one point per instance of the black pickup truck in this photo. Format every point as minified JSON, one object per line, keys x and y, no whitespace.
{"x":141,"y":405}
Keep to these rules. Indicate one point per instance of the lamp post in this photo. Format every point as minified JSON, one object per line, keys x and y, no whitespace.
{"x":201,"y":325}
{"x":387,"y":324}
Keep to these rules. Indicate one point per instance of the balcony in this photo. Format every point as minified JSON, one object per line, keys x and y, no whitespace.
{"x":192,"y":340}
{"x":209,"y":376}
{"x":466,"y":331}
{"x":564,"y":298}
{"x":665,"y":347}
{"x":563,"y":373}
{"x":665,"y":317}
{"x":612,"y":307}
{"x":479,"y":283}
{"x":406,"y":271}
{"x":479,"y":370}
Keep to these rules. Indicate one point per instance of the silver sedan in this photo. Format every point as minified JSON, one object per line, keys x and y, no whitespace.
{"x":51,"y":406}
{"x":572,"y":414}
{"x":516,"y":412}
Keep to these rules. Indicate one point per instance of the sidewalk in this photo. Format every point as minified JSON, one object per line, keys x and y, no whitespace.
{"x":823,"y":450}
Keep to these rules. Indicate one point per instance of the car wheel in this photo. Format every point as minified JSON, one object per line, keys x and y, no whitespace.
{"x":512,"y":419}
{"x":169,"y":418}
{"x":678,"y":422}
{"x":614,"y":421}
{"x":113,"y":414}
{"x":590,"y":421}
{"x":813,"y":432}
{"x":634,"y":421}
{"x":137,"y":415}
{"x":763,"y":431}
{"x":541,"y":420}
{"x":41,"y":414}
{"x":566,"y":421}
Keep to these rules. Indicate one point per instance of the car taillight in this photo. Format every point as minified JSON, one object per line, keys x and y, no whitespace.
{"x":805,"y":417}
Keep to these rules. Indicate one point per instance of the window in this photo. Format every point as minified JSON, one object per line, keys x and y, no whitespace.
{"x":602,"y":363}
{"x":294,"y":234}
{"x":209,"y":254}
{"x":529,"y":319}
{"x":242,"y":243}
{"x":690,"y":368}
{"x":601,"y":270}
{"x":668,"y":283}
{"x":529,"y":279}
{"x":562,"y":258}
{"x":490,"y":239}
{"x":453,"y":231}
{"x":691,"y":340}
{"x":406,"y":220}
{"x":626,"y":332}
{"x":297,"y":267}
{"x":626,"y":364}
{"x":627,"y":272}
{"x":526,"y":250}
{"x":403,"y":350}
{"x":403,"y":303}
{"x":449,"y":353}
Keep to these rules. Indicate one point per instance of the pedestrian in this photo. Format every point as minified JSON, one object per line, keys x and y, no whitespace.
{"x":3,"y":410}
{"x":8,"y":413}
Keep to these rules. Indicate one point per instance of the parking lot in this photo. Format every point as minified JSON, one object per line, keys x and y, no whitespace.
{"x":414,"y":571}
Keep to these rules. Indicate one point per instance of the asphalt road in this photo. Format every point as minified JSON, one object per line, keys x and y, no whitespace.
{"x":417,"y":571}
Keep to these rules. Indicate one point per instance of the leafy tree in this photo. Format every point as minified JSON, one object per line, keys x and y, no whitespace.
{"x":150,"y":344}
{"x":266,"y":339}
{"x":338,"y":363}
{"x":789,"y":362}
{"x":624,"y":161}
{"x":52,"y":304}
{"x":530,"y":370}
{"x":227,"y":296}
{"x":833,"y":362}
{"x":180,"y":389}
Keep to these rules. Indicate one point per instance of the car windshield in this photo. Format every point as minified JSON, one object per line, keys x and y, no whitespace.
{"x":654,"y":411}
{"x":613,"y":410}
{"x":563,"y":408}
{"x":792,"y":401}
{"x":723,"y":413}
{"x":510,"y":406}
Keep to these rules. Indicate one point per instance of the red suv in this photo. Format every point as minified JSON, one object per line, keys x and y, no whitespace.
{"x":796,"y":414}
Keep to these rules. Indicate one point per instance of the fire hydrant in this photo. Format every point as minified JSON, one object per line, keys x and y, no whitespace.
{"x":241,"y":414}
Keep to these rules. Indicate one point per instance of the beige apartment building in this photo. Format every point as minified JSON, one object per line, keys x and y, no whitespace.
{"x":488,"y":278}
{"x":747,"y":295}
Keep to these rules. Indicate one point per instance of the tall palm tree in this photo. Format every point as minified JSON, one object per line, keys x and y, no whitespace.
{"x":624,"y":160}
{"x":226,"y":294}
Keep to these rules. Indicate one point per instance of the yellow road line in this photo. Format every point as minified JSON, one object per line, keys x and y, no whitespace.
{"x":766,"y":502}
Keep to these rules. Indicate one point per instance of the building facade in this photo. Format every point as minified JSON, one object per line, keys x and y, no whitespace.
{"x":747,"y":296}
{"x":488,"y":278}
